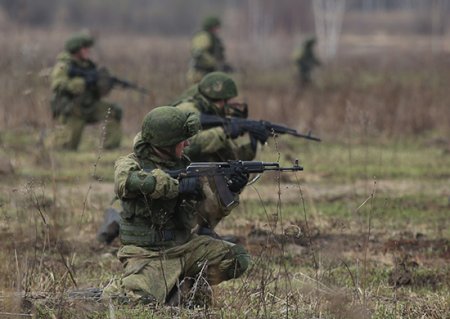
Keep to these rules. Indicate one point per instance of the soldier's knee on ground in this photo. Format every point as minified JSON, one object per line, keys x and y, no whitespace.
{"x":113,"y":134}
{"x":116,"y":112}
{"x":67,"y":135}
{"x":137,"y":290}
{"x":241,"y":261}
{"x":116,"y":290}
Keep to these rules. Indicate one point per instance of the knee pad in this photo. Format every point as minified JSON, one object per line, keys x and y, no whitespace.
{"x":241,"y":261}
{"x":116,"y":112}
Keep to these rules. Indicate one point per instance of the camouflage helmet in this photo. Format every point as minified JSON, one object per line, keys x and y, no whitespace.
{"x":218,"y":86}
{"x":210,"y":22}
{"x":78,"y":41}
{"x":167,"y":126}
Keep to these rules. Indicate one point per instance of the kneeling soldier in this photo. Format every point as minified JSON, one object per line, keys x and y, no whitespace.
{"x":78,"y":88}
{"x":160,"y":214}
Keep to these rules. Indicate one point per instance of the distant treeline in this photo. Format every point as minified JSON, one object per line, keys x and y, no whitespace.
{"x":174,"y":17}
{"x":182,"y":17}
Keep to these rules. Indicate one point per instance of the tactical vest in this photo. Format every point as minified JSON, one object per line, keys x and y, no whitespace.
{"x":156,"y":223}
{"x":216,"y":49}
{"x":63,"y":102}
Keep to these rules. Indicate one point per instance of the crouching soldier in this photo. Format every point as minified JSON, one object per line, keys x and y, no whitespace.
{"x":213,"y":96}
{"x":161,"y":251}
{"x":78,"y":87}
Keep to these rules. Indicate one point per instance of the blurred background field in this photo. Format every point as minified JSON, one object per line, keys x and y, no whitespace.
{"x":363,"y":232}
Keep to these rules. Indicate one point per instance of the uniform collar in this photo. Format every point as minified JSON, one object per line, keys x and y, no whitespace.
{"x":207,"y":106}
{"x":147,"y":154}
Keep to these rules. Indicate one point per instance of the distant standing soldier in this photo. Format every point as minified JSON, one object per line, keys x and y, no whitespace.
{"x":208,"y":52}
{"x":306,"y":60}
{"x":161,"y":252}
{"x":78,"y":87}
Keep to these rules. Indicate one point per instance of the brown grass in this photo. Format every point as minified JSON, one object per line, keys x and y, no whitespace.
{"x":385,"y":93}
{"x":48,"y":224}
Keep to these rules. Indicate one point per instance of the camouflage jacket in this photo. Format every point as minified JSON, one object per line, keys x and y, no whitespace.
{"x":155,"y":215}
{"x":71,"y":93}
{"x":62,"y":82}
{"x":214,"y":145}
{"x":208,"y":53}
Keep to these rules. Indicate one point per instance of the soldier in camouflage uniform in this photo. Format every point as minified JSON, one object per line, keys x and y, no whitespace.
{"x":157,"y":228}
{"x":306,"y":61}
{"x":218,"y":144}
{"x":76,"y":99}
{"x":212,"y":96}
{"x":208,"y":52}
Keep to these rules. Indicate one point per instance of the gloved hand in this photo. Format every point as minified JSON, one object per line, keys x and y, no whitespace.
{"x":233,"y":129}
{"x":258,"y":131}
{"x":91,"y":78}
{"x":237,"y":181}
{"x":260,"y":135}
{"x":190,"y":186}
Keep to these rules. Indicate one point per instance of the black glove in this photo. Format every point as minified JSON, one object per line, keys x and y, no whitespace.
{"x":91,"y":78}
{"x":190,"y":186}
{"x":233,"y":129}
{"x":258,"y":131}
{"x":237,"y":181}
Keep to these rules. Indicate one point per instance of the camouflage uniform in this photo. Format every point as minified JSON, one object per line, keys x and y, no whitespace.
{"x":210,"y":145}
{"x":75,"y":102}
{"x":306,"y":60}
{"x":208,"y":52}
{"x":214,"y":145}
{"x":160,"y":247}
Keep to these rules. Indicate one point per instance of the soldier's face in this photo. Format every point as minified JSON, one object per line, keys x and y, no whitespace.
{"x":180,"y":147}
{"x":84,"y":53}
{"x":215,"y":30}
{"x":221,"y":103}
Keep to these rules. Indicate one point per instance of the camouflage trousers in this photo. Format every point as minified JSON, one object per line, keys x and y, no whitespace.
{"x":68,"y":132}
{"x":154,"y":275}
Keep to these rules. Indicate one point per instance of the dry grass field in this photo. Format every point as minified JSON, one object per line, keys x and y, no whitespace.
{"x":362,"y":232}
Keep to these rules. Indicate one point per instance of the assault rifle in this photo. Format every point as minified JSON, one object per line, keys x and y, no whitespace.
{"x":94,"y":75}
{"x":221,"y":171}
{"x":209,"y":121}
